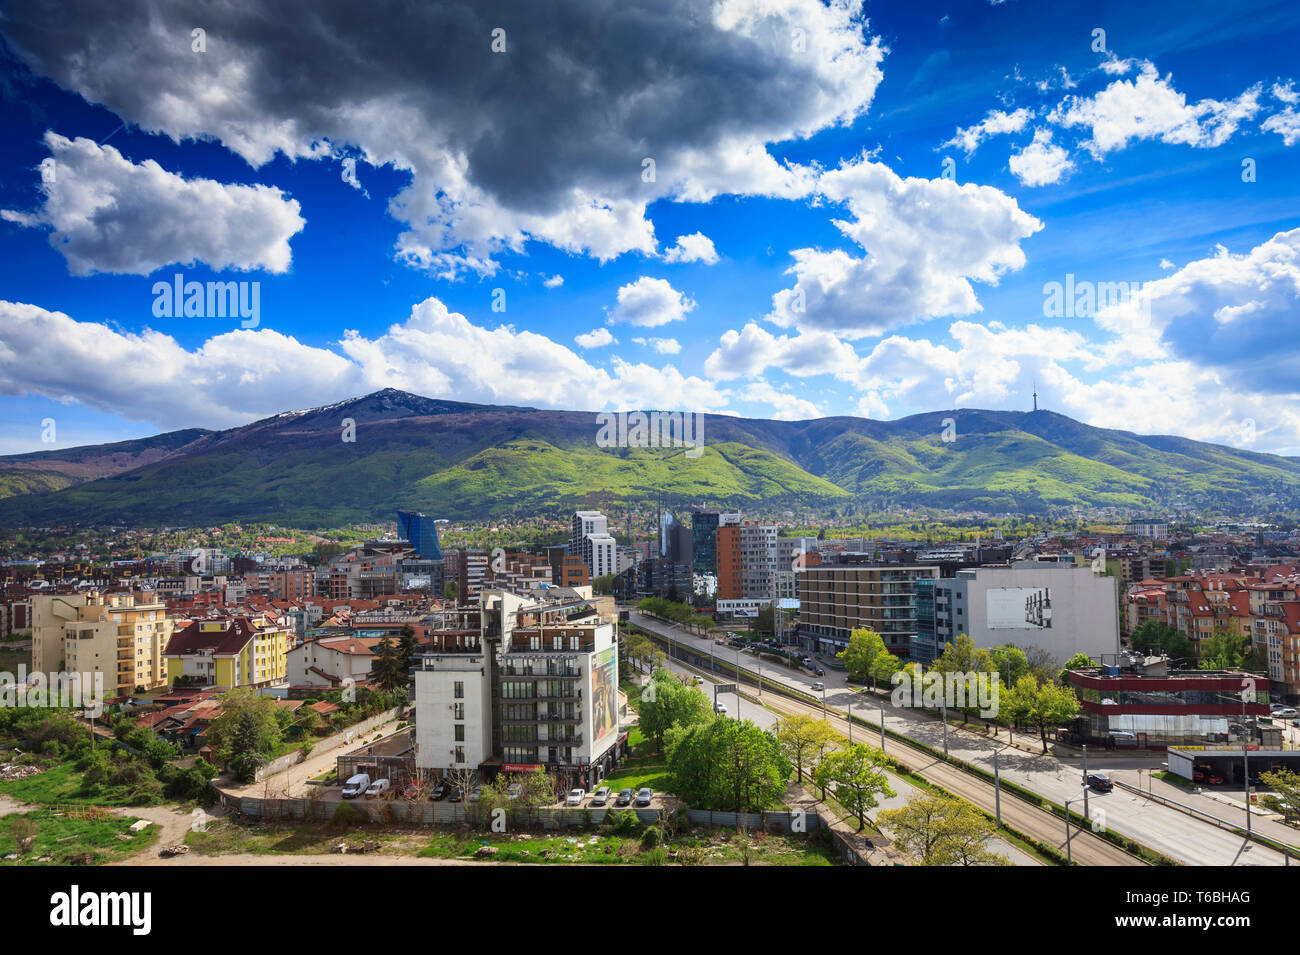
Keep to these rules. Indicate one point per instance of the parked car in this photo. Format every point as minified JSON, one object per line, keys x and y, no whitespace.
{"x":819,"y":686}
{"x":476,"y":793}
{"x":457,"y":795}
{"x":1100,"y":782}
{"x":356,"y":786}
{"x":624,"y":798}
{"x":575,"y":797}
{"x":644,"y":795}
{"x":1286,"y":713}
{"x":720,"y":709}
{"x":440,"y":792}
{"x":412,"y":790}
{"x":514,"y":790}
{"x":821,"y":672}
{"x":600,"y":797}
{"x":378,"y":788}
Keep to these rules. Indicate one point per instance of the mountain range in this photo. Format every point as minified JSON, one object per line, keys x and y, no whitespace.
{"x":468,"y":461}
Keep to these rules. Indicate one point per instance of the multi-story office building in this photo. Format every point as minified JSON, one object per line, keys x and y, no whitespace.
{"x":747,"y":562}
{"x":535,"y":685}
{"x":1056,"y":607}
{"x":704,"y":546}
{"x":422,"y":532}
{"x":120,"y":635}
{"x":836,"y":599}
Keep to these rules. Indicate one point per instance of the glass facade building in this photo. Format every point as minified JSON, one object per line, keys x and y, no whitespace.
{"x":421,"y":531}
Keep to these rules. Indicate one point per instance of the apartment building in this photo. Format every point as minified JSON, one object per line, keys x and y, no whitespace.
{"x":590,"y":539}
{"x":228,"y":653}
{"x":836,"y":599}
{"x":535,"y":685}
{"x":120,"y":635}
{"x":329,"y":662}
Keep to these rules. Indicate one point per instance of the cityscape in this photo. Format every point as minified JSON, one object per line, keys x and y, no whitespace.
{"x":674,"y":434}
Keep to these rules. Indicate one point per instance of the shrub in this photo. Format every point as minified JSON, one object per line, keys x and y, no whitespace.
{"x":656,"y":856}
{"x":651,"y":837}
{"x":347,"y":815}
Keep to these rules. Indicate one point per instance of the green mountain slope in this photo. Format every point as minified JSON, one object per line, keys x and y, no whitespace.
{"x":468,"y":461}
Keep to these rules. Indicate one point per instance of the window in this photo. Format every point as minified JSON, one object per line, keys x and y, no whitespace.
{"x":460,"y":711}
{"x":460,"y":754}
{"x":458,"y":690}
{"x":460,"y":732}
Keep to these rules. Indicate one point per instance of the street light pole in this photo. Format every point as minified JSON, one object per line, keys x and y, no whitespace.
{"x":850,"y":724}
{"x":944,"y":714}
{"x":1085,"y":781}
{"x":997,"y":789}
{"x":882,"y":725}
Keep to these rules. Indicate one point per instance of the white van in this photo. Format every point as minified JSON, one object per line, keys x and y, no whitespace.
{"x":379,"y":787}
{"x":356,"y":786}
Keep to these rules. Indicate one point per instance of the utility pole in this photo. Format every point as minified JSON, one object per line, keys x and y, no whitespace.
{"x":850,"y":724}
{"x":882,"y":725}
{"x":1085,"y":781}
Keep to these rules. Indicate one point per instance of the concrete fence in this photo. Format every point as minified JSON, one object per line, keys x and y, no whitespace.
{"x":342,"y":737}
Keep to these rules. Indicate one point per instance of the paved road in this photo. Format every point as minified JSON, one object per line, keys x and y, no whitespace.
{"x":1164,"y":829}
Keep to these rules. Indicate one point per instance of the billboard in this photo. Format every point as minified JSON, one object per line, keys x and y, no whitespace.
{"x":604,"y":697}
{"x":1019,"y":608}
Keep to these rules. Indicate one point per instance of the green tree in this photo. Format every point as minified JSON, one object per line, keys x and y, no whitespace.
{"x":1038,"y":705}
{"x":1228,"y":650}
{"x":1010,"y":662}
{"x":884,"y":668}
{"x":666,"y":702}
{"x":938,"y":830}
{"x":1156,"y":637}
{"x":1285,"y":797}
{"x":727,"y":765}
{"x":246,"y":732}
{"x":860,"y":655}
{"x":1079,"y":661}
{"x":803,"y":738}
{"x":961,"y":655}
{"x":389,"y":669}
{"x":603,"y":584}
{"x":854,"y":774}
{"x":451,"y":590}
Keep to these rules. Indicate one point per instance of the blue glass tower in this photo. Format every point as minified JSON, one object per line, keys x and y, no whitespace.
{"x":421,"y":531}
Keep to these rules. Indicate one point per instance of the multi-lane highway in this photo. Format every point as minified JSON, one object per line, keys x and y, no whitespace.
{"x":1162,"y":828}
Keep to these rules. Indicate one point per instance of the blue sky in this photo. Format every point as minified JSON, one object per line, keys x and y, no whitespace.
{"x":873,"y":198}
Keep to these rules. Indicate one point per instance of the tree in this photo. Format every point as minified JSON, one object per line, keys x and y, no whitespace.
{"x":854,"y":773}
{"x":1039,"y":705}
{"x":1228,"y":650}
{"x":727,"y":765}
{"x":451,"y":590}
{"x":666,"y":703}
{"x":860,"y":655}
{"x":406,"y":643}
{"x":246,"y":732}
{"x":938,"y":830}
{"x":1042,"y":664}
{"x":1156,"y":637}
{"x":390,"y":668}
{"x":603,"y":584}
{"x":884,"y":668}
{"x":1285,"y":797}
{"x":1077,"y":662}
{"x":1011,"y":663}
{"x":961,"y":655}
{"x":765,"y":622}
{"x":802,"y":737}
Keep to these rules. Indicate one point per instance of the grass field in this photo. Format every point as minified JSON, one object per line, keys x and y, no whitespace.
{"x":59,"y":839}
{"x":585,"y":847}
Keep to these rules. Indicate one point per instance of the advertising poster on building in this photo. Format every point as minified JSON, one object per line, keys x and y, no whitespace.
{"x":1020,"y":608}
{"x":604,"y":696}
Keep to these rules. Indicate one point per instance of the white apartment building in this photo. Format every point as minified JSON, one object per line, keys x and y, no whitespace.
{"x":590,"y":539}
{"x":536,"y":685}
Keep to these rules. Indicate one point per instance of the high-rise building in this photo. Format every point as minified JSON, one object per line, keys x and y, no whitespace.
{"x":836,"y":599}
{"x":422,"y":532}
{"x":590,"y":539}
{"x":704,"y":544}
